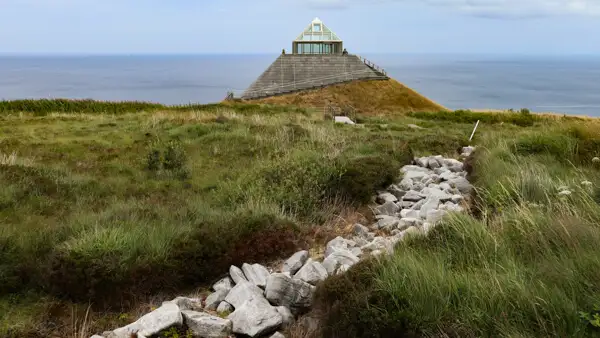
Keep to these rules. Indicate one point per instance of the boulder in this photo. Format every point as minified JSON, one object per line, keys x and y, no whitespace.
{"x":224,"y":307}
{"x":243,"y":292}
{"x":386,"y":197}
{"x":294,"y":263}
{"x":457,"y":199}
{"x":337,"y":259}
{"x":435,"y":216}
{"x":407,"y":213}
{"x":388,"y":208}
{"x":256,"y":274}
{"x":360,"y":230}
{"x":432,"y":203}
{"x":387,"y":222}
{"x":433,"y":163}
{"x":422,"y":162}
{"x":312,"y":272}
{"x":223,"y":284}
{"x":237,"y":275}
{"x":255,"y":317}
{"x":204,"y":325}
{"x":214,"y":299}
{"x":185,"y":303}
{"x":462,"y":184}
{"x":405,"y":204}
{"x":397,"y":191}
{"x":277,"y":335}
{"x":286,"y":316}
{"x":406,"y":184}
{"x":338,"y":243}
{"x":412,"y":196}
{"x":467,"y":151}
{"x":152,"y":323}
{"x":294,"y":294}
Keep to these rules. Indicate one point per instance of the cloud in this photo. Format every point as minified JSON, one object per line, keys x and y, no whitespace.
{"x":489,"y":8}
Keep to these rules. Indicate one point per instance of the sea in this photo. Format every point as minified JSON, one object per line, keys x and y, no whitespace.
{"x":561,"y":84}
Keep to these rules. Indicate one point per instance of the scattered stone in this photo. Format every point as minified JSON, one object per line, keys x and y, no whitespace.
{"x":337,"y":259}
{"x":467,"y":151}
{"x":338,"y":243}
{"x":433,"y":163}
{"x":312,"y":272}
{"x":564,"y":193}
{"x":360,"y":241}
{"x":154,"y":322}
{"x":214,"y":299}
{"x":405,"y":204}
{"x":408,"y":222}
{"x":204,"y":325}
{"x":277,"y":335}
{"x":431,"y":204}
{"x":294,"y":294}
{"x":415,"y":175}
{"x":586,"y":183}
{"x":457,"y":198}
{"x":223,"y":284}
{"x":379,"y":243}
{"x":396,"y":191}
{"x":286,"y":316}
{"x":243,"y":292}
{"x":596,"y":160}
{"x":386,"y":197}
{"x":437,"y":193}
{"x":224,"y":307}
{"x":407,"y":213}
{"x":343,"y":120}
{"x":563,"y":187}
{"x":360,"y":230}
{"x":389,"y":222}
{"x":414,"y":126}
{"x":406,"y":184}
{"x":237,"y":275}
{"x":255,"y":317}
{"x":462,"y":184}
{"x":412,"y":196}
{"x":185,"y":303}
{"x":294,"y":263}
{"x":388,"y":208}
{"x":256,"y":274}
{"x":418,"y":205}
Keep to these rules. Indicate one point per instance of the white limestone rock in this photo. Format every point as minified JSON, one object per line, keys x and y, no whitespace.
{"x":312,"y":272}
{"x":408,"y":213}
{"x":387,"y":222}
{"x":237,"y":275}
{"x":204,"y":325}
{"x":243,"y":292}
{"x":286,"y":315}
{"x":277,"y":335}
{"x":388,"y":208}
{"x":412,"y":196}
{"x":361,"y":230}
{"x":406,"y":184}
{"x":294,"y":263}
{"x":337,"y":259}
{"x":256,"y":274}
{"x":386,"y":197}
{"x":462,"y":184}
{"x":152,"y":323}
{"x":294,"y":294}
{"x":224,"y":307}
{"x":214,"y":299}
{"x":255,"y":317}
{"x":185,"y":303}
{"x":431,"y":204}
{"x":223,"y":284}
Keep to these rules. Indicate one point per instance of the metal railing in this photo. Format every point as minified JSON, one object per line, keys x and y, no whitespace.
{"x":372,"y":65}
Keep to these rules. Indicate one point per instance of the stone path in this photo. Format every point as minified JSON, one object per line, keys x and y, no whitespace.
{"x":255,"y":302}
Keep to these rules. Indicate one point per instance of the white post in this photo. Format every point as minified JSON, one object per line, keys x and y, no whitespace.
{"x":473,"y":133}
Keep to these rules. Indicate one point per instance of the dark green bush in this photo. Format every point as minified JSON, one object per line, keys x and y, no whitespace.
{"x":350,"y":305}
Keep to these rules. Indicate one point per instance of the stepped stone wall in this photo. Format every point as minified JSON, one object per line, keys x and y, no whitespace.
{"x":292,"y":72}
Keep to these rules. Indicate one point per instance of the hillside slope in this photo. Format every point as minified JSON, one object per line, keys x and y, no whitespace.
{"x":369,"y":97}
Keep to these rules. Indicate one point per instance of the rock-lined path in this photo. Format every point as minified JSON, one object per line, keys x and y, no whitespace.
{"x":256,"y":302}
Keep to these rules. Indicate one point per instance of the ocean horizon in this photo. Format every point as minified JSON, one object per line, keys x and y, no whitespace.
{"x":549,"y":83}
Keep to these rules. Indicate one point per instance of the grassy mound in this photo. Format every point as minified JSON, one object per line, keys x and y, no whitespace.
{"x":368,"y":97}
{"x":529,"y":266}
{"x":109,"y":205}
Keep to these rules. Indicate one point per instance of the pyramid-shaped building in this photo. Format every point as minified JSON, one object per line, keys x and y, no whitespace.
{"x":318,"y":59}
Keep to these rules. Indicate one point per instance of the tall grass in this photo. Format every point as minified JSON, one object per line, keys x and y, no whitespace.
{"x":527,"y":267}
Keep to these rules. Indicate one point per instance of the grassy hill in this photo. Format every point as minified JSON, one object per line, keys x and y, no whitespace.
{"x":105,"y":205}
{"x":368,"y":97}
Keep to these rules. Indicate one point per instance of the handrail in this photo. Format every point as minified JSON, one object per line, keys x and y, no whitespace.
{"x":345,"y":75}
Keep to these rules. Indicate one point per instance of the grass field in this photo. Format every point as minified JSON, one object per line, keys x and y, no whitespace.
{"x":105,"y":204}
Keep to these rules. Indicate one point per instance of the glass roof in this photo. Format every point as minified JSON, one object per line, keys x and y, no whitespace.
{"x":317,"y":31}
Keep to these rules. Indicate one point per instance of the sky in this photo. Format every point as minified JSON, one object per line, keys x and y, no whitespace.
{"x":556,"y":27}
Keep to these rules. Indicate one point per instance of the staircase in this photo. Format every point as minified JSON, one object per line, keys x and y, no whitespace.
{"x":290,"y":73}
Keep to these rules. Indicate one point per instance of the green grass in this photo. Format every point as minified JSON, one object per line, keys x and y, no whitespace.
{"x":113,"y":202}
{"x":110,"y":202}
{"x":527,"y":266}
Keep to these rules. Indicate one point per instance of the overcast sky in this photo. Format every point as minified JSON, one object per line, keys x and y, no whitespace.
{"x":267,"y":26}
